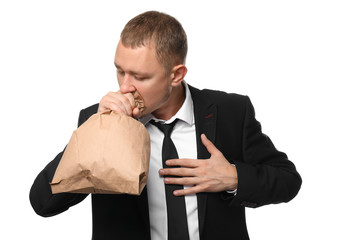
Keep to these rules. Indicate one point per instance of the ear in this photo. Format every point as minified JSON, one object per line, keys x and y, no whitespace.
{"x":177,"y":74}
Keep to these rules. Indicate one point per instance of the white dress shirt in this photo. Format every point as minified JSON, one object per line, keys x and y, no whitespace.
{"x":184,"y":138}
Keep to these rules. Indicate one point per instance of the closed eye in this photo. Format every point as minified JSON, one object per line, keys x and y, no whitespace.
{"x":120,"y":72}
{"x":140,"y":78}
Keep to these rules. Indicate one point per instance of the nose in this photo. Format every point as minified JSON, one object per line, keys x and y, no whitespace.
{"x":126,"y":85}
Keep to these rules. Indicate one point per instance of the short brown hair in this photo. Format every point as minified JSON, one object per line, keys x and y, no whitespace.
{"x":164,"y":31}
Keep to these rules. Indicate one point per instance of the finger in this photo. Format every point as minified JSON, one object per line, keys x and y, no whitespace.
{"x":131,"y":99}
{"x":136,"y":113}
{"x":101,"y":108}
{"x":180,"y":172}
{"x":104,"y":103}
{"x":116,"y":106}
{"x":125,"y":103}
{"x":182,"y":180}
{"x":192,"y":163}
{"x":116,"y":102}
{"x":188,"y":191}
{"x":208,"y":144}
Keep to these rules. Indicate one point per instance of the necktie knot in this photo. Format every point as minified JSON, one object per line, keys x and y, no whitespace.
{"x":165,"y":128}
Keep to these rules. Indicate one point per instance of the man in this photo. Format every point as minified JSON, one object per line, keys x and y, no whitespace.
{"x":222,"y":159}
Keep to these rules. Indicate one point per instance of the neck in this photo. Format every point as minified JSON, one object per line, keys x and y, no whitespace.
{"x":174,"y":103}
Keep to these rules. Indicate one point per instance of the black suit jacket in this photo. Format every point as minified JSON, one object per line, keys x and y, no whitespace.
{"x":265,"y":176}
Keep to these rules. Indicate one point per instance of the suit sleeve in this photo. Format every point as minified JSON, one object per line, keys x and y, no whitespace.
{"x":42,"y":200}
{"x":265,"y":175}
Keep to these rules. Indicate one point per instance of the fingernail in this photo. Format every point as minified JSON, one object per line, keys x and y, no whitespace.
{"x":161,"y":171}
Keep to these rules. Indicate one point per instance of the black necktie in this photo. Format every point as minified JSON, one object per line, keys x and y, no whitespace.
{"x":176,"y":207}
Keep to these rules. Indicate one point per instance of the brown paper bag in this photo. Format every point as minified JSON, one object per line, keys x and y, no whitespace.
{"x":109,"y":153}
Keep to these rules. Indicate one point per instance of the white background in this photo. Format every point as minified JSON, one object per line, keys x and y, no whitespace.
{"x":56,"y":57}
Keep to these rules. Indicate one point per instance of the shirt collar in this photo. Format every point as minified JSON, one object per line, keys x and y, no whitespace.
{"x":185,"y":113}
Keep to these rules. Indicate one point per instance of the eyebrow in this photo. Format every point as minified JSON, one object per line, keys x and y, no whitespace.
{"x":131,"y":72}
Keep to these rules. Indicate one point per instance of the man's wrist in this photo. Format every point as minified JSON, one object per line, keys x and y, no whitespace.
{"x":232,"y":187}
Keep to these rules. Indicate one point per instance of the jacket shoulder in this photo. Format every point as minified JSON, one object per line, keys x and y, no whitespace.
{"x":220,"y":98}
{"x":86,"y":113}
{"x":91,"y":109}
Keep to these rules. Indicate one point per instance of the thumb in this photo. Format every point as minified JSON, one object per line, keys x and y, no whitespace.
{"x":136,"y":113}
{"x":208,"y":144}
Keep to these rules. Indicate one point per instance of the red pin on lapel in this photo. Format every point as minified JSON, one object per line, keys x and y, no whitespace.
{"x":208,"y":116}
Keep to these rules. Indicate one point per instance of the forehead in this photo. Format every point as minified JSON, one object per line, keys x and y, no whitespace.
{"x":138,"y":58}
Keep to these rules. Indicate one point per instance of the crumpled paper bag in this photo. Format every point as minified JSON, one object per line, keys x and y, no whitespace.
{"x":107,"y":154}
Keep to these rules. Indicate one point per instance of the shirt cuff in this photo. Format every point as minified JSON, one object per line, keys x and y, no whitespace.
{"x":234,"y":192}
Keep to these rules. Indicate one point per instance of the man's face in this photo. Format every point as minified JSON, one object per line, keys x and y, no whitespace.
{"x":138,"y":69}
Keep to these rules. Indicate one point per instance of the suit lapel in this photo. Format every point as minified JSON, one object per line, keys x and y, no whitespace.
{"x":205,"y":114}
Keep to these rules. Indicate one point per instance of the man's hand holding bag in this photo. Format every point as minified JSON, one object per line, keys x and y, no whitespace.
{"x":109,"y":153}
